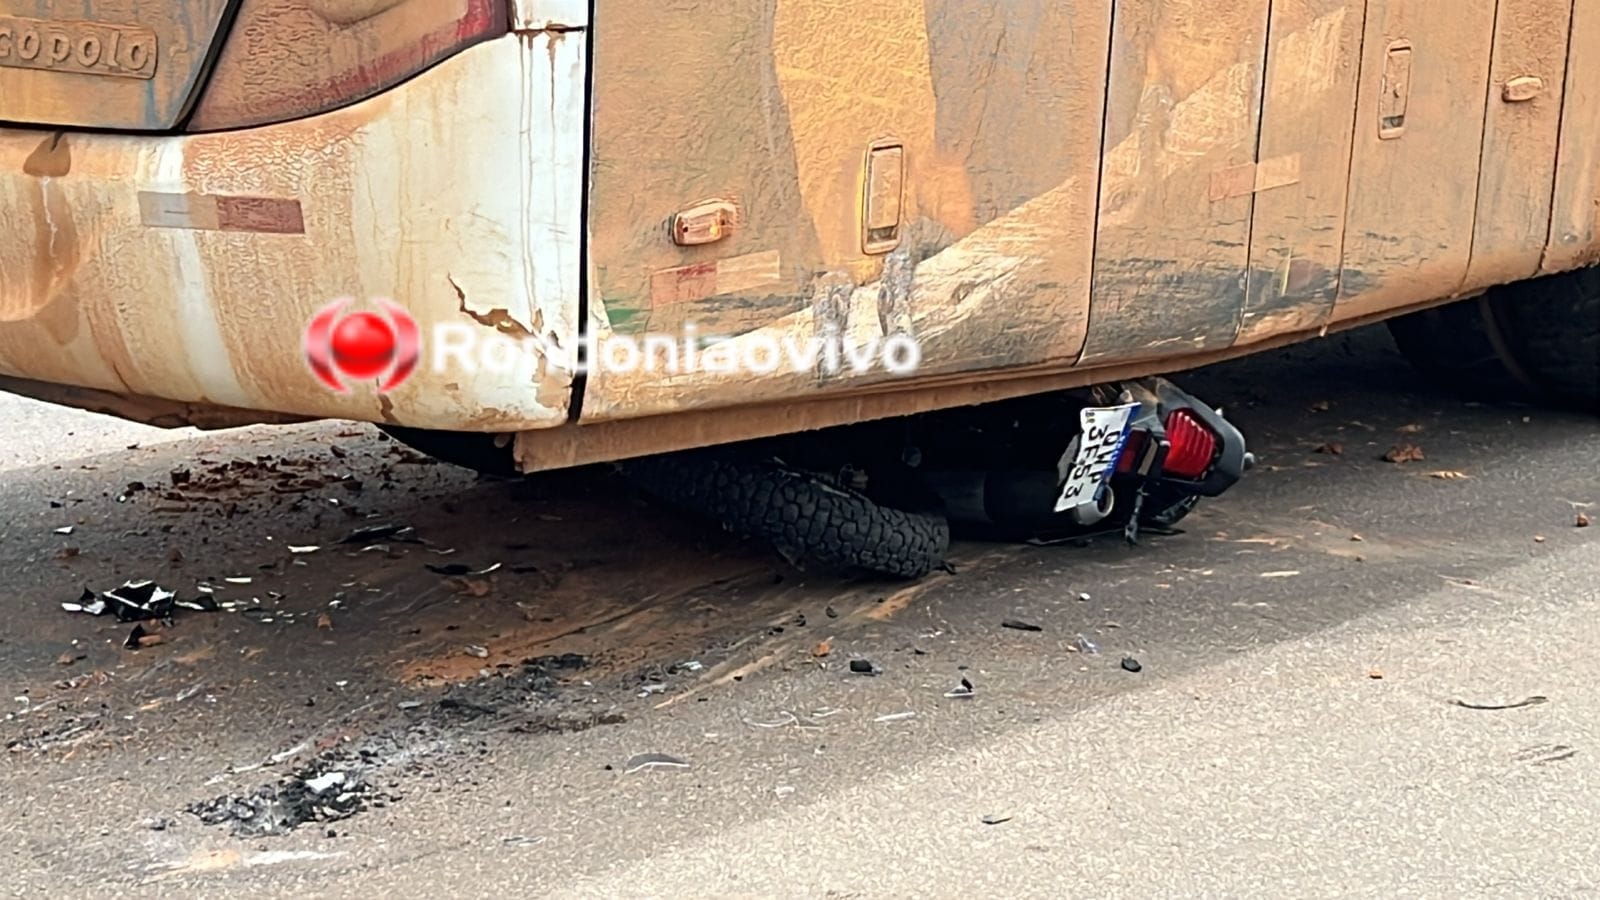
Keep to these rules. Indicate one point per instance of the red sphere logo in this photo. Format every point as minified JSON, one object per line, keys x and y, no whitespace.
{"x":361,"y":345}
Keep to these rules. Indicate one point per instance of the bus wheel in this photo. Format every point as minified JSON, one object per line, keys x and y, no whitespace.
{"x":1535,"y":341}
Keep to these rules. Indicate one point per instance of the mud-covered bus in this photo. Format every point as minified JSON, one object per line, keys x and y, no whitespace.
{"x":903,"y":260}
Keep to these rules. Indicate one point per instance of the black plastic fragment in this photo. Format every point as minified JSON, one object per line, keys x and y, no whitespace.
{"x":133,"y":601}
{"x":1530,"y":701}
{"x":864,"y":667}
{"x":372,"y":534}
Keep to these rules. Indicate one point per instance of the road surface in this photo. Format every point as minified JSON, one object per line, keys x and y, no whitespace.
{"x":1316,"y":654}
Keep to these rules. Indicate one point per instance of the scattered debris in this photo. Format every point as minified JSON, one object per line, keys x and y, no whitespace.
{"x":1321,"y":406}
{"x":1357,"y":538}
{"x":1130,"y":664}
{"x":823,"y":648}
{"x":1583,"y":520}
{"x":865,"y":667}
{"x":1449,"y":475}
{"x":522,"y":840}
{"x":1019,"y":625}
{"x":324,"y":621}
{"x":995,"y":819}
{"x":965,"y":691}
{"x":134,"y":601}
{"x":308,"y":548}
{"x":1538,"y":539}
{"x":1375,"y":674}
{"x":831,"y":613}
{"x":308,"y":795}
{"x":65,"y":529}
{"x":152,"y":823}
{"x":1083,"y":597}
{"x":642,"y":761}
{"x":897,"y":717}
{"x":1413,"y":428}
{"x":477,"y":650}
{"x":1286,"y":573}
{"x":1403,"y":453}
{"x":1332,"y":448}
{"x":1530,"y":701}
{"x":1084,"y":645}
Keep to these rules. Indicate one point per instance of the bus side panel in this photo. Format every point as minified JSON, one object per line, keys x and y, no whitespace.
{"x":800,"y":115}
{"x":1521,"y":132}
{"x":1182,"y":117}
{"x":1419,"y":134}
{"x":1575,"y":220}
{"x":1297,"y":230}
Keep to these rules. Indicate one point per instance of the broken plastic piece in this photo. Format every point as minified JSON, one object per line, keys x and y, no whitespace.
{"x":964,"y":691}
{"x":1020,"y":625}
{"x":322,"y":783}
{"x":1131,"y":664}
{"x":864,"y":667}
{"x":372,"y":534}
{"x":458,"y":569}
{"x":133,"y":601}
{"x":642,"y":761}
{"x":1530,"y":701}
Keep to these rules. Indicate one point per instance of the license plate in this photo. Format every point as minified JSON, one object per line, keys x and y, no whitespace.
{"x":1094,"y":452}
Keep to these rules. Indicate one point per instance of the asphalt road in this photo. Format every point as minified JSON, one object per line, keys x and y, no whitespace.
{"x":1296,"y":726}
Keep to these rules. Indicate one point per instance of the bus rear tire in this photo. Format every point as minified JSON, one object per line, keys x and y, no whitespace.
{"x":1535,"y":342}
